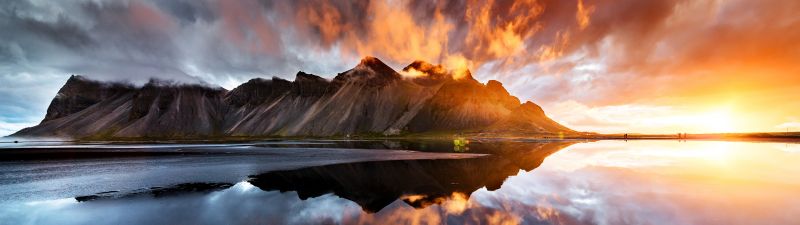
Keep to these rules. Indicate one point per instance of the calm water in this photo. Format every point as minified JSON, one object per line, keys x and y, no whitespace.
{"x":605,"y":182}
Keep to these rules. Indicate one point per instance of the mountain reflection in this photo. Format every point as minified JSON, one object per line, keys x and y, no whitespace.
{"x":419,"y":183}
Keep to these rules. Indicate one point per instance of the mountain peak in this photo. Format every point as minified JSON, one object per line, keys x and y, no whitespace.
{"x":278,"y":79}
{"x":75,"y":77}
{"x":496,"y":86}
{"x":77,"y":82}
{"x":257,"y":91}
{"x":369,"y":59}
{"x":532,"y":107}
{"x":79,"y":93}
{"x":309,"y":85}
{"x":375,"y":64}
{"x":304,"y":77}
{"x":371,"y":71}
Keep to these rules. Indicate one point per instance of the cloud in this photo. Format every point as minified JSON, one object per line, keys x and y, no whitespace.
{"x":595,"y":52}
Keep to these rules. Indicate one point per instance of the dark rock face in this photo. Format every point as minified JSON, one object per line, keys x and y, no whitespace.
{"x":80,"y":93}
{"x":368,"y":99}
{"x":257,"y":91}
{"x":464,"y":105}
{"x":528,"y":118}
{"x":166,"y":110}
{"x":308,"y":85}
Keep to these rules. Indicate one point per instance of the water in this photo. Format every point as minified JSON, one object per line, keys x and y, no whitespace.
{"x":313,"y":182}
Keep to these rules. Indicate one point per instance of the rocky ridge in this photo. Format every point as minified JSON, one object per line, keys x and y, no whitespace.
{"x":370,"y":99}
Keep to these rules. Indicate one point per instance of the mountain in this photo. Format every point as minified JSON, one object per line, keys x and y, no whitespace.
{"x":370,"y":99}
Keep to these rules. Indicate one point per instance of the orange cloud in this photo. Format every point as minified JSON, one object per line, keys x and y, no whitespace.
{"x":397,"y":35}
{"x":493,"y":35}
{"x":326,"y":19}
{"x":247,"y":28}
{"x":582,"y":15}
{"x":146,"y":16}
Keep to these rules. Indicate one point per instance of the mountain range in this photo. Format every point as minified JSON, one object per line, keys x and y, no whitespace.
{"x":369,"y":99}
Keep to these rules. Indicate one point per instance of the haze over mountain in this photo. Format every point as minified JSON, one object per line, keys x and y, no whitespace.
{"x":369,"y":99}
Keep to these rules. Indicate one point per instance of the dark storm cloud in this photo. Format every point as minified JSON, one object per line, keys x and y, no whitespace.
{"x":188,"y":11}
{"x":62,"y":31}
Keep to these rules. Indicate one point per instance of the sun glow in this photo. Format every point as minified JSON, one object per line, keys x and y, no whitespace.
{"x":656,"y":119}
{"x":718,"y":121}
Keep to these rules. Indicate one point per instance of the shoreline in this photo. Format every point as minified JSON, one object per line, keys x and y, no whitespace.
{"x":791,"y":137}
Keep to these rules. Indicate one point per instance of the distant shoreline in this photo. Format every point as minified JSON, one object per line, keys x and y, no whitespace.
{"x":758,"y":137}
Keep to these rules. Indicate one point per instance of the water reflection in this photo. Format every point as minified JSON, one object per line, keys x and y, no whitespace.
{"x":419,"y":183}
{"x":607,"y":182}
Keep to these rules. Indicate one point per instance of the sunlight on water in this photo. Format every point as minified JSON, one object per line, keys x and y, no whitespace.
{"x":666,"y":182}
{"x":731,"y":161}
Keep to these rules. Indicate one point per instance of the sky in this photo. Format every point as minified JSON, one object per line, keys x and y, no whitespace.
{"x":609,"y":66}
